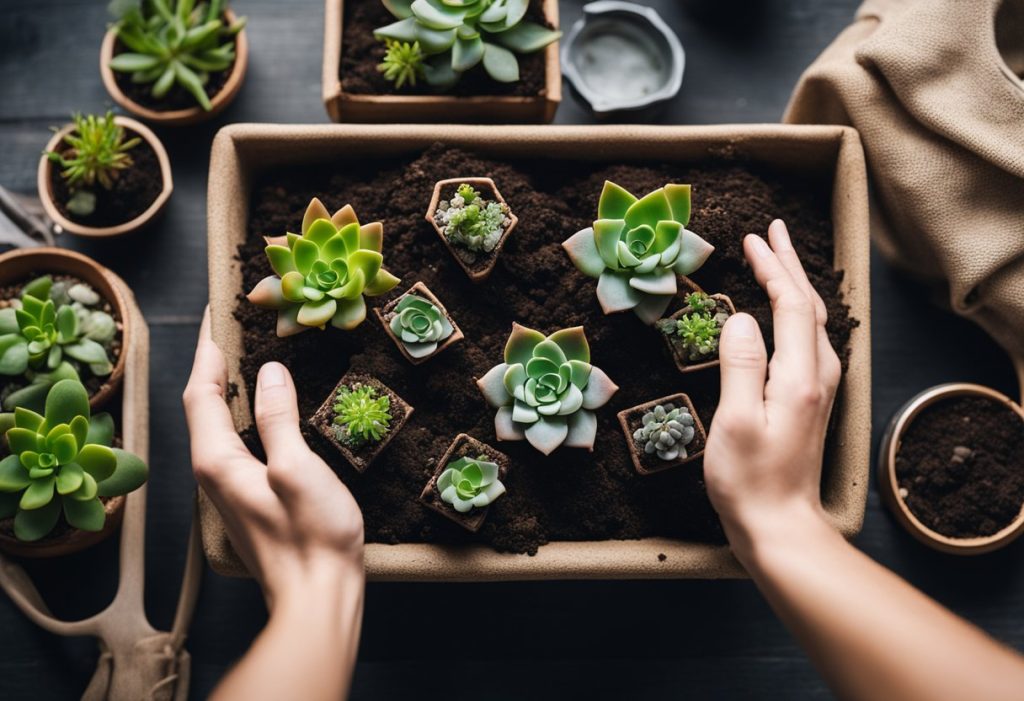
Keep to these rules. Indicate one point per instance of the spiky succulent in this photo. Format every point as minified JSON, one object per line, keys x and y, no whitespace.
{"x":323,"y":274}
{"x":403,"y":62}
{"x":472,"y":221}
{"x":174,"y":42}
{"x":62,"y":461}
{"x":666,"y":431}
{"x":546,"y":390}
{"x":362,"y":414}
{"x":697,"y":331}
{"x":470,"y":483}
{"x":420,"y":325}
{"x":456,"y":35}
{"x":637,"y":247}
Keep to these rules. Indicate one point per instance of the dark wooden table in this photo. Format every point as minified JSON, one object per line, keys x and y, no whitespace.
{"x":539,"y":640}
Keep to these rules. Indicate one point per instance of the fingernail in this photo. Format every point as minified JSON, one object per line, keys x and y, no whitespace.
{"x":272,"y":375}
{"x":743,"y":326}
{"x":760,"y":246}
{"x":781,"y":235}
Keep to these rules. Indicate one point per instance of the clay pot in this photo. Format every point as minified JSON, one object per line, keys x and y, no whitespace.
{"x":683,"y":363}
{"x":384,"y":315}
{"x":463,"y":445}
{"x":191,"y":115}
{"x":70,"y":541}
{"x":44,"y":175}
{"x":888,"y":486}
{"x":629,"y":419}
{"x":19,"y":265}
{"x":477,"y":272}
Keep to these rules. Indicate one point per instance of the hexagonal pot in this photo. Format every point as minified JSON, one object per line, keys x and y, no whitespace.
{"x":630,"y":420}
{"x":682,"y":362}
{"x":386,"y":313}
{"x":463,"y":446}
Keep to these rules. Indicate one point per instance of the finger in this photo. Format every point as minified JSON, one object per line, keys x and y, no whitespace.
{"x":277,"y":418}
{"x":744,"y":364}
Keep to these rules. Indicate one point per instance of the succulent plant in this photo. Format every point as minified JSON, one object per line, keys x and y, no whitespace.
{"x":420,"y":325}
{"x":546,"y":390}
{"x":62,"y":461}
{"x":471,"y":221}
{"x":469,"y":483}
{"x":637,"y":247}
{"x":403,"y":62}
{"x":173,"y":42}
{"x":698,"y":331}
{"x":362,"y":415}
{"x":323,"y":274}
{"x":666,"y":431}
{"x":456,"y":35}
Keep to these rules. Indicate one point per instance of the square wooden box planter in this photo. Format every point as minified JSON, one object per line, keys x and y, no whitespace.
{"x":463,"y":446}
{"x":630,"y":421}
{"x":395,"y":108}
{"x":243,"y":152}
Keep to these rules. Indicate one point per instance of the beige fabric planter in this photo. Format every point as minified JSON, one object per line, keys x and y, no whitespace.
{"x":241,"y":151}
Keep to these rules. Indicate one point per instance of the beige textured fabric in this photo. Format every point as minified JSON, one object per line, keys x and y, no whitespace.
{"x":933,"y":87}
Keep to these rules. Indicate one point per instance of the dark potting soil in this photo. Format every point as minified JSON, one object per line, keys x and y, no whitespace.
{"x":177,"y":98}
{"x":961,"y":462}
{"x":133,"y":192}
{"x":361,"y":53}
{"x":573,"y":494}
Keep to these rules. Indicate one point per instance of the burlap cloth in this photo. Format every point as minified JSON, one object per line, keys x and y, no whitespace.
{"x":934,"y":88}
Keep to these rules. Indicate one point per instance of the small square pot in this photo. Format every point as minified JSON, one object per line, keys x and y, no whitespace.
{"x":630,"y":420}
{"x":323,"y":421}
{"x":387,"y":312}
{"x":683,"y":363}
{"x":463,"y":446}
{"x":478,"y":269}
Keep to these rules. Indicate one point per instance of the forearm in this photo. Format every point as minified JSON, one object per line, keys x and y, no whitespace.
{"x":870,"y":633}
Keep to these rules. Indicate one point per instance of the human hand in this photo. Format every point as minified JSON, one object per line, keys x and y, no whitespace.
{"x":762,"y":465}
{"x":291,"y":520}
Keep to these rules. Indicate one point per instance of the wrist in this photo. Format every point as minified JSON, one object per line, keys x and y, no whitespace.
{"x":758,"y":538}
{"x":321,"y":588}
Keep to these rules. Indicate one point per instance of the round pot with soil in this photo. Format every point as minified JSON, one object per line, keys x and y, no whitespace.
{"x":85,"y":340}
{"x":473,"y":220}
{"x":951,"y":468}
{"x":104,"y":176}
{"x":178,"y":69}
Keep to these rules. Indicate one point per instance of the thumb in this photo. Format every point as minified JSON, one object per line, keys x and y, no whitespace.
{"x":277,"y":415}
{"x":744,"y":365}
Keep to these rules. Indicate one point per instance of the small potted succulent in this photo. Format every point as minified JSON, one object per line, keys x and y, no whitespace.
{"x":419,"y":324}
{"x":174,"y":62}
{"x":473,"y":220}
{"x":663,"y":433}
{"x":62,"y":463}
{"x":546,"y":391}
{"x":692,"y":332}
{"x":360,"y":417}
{"x":637,"y":248}
{"x":469,"y":477}
{"x":104,"y":176}
{"x":322,"y":275}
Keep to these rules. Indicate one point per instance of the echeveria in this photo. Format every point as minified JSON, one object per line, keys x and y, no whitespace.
{"x":637,"y":247}
{"x":420,"y":325}
{"x":546,"y":390}
{"x":469,"y":483}
{"x":323,"y":274}
{"x":62,"y":460}
{"x":665,"y":431}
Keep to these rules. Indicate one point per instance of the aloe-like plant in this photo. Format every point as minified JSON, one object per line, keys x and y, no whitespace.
{"x":637,"y":247}
{"x":61,"y":461}
{"x":698,"y":331}
{"x":666,"y":431}
{"x":546,"y":390}
{"x":322,"y":275}
{"x":420,"y":325}
{"x":174,"y":42}
{"x":471,"y":221}
{"x":470,"y":483}
{"x":362,"y":415}
{"x":457,"y":35}
{"x":402,"y":63}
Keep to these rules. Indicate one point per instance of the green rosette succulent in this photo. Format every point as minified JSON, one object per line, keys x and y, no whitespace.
{"x":637,"y":247}
{"x":457,"y":35}
{"x":546,"y":390}
{"x":470,"y":483}
{"x":323,"y":275}
{"x":420,"y":325}
{"x":362,"y":415}
{"x":61,"y":461}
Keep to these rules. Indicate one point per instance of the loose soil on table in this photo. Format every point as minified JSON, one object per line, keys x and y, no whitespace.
{"x":177,"y":98}
{"x":961,"y":462}
{"x":133,"y":192}
{"x":572,"y":494}
{"x":361,"y":53}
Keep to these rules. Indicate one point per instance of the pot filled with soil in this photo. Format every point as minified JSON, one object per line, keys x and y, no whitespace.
{"x":178,"y":67}
{"x":434,"y":61}
{"x":692,"y":333}
{"x":419,"y":324}
{"x":104,"y":176}
{"x":951,"y":468}
{"x":663,"y":433}
{"x":467,"y":481}
{"x":473,"y":220}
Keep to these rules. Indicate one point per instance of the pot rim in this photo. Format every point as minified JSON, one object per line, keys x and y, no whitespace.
{"x":44,"y":175}
{"x":71,"y":541}
{"x":889,"y":486}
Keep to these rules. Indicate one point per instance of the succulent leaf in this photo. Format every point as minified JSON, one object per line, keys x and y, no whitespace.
{"x":419,"y":325}
{"x":468,"y":483}
{"x":362,"y":414}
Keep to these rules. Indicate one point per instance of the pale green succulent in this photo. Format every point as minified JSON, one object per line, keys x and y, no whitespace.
{"x":323,"y":274}
{"x":362,"y":415}
{"x":666,"y":431}
{"x":546,"y":390}
{"x":698,"y":331}
{"x":470,"y":483}
{"x":420,"y":325}
{"x":471,"y":221}
{"x":637,"y":247}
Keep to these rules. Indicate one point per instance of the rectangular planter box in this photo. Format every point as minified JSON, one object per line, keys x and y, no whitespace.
{"x":242,"y":151}
{"x":504,"y":109}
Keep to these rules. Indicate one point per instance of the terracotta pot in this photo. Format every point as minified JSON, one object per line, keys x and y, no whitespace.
{"x":504,"y":109}
{"x":423,"y":291}
{"x":70,"y":541}
{"x":44,"y":184}
{"x":682,"y":362}
{"x":18,"y":265}
{"x":888,"y":486}
{"x":694,"y":449}
{"x":183,"y":117}
{"x":475,"y":273}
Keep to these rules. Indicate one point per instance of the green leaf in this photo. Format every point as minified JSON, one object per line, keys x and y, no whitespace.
{"x":520,"y":345}
{"x":130,"y":474}
{"x":65,"y":448}
{"x":88,"y":490}
{"x":191,"y":82}
{"x":516,"y":10}
{"x":70,"y":478}
{"x":67,"y":323}
{"x":527,"y":37}
{"x":98,"y":460}
{"x":26,"y":418}
{"x":401,"y":9}
{"x":13,"y":354}
{"x":66,"y":400}
{"x":679,"y":200}
{"x":21,"y":440}
{"x":500,"y":63}
{"x":650,"y":209}
{"x":130,"y":62}
{"x":436,"y":17}
{"x":615,"y":201}
{"x":8,"y":322}
{"x":87,"y":350}
{"x":80,"y":428}
{"x":38,"y":494}
{"x":84,"y":515}
{"x":281,"y":259}
{"x":39,"y":288}
{"x":164,"y":83}
{"x":317,"y":313}
{"x":466,"y":53}
{"x":573,"y":342}
{"x":33,"y":525}
{"x":100,"y":432}
{"x":13,"y":475}
{"x":438,"y":72}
